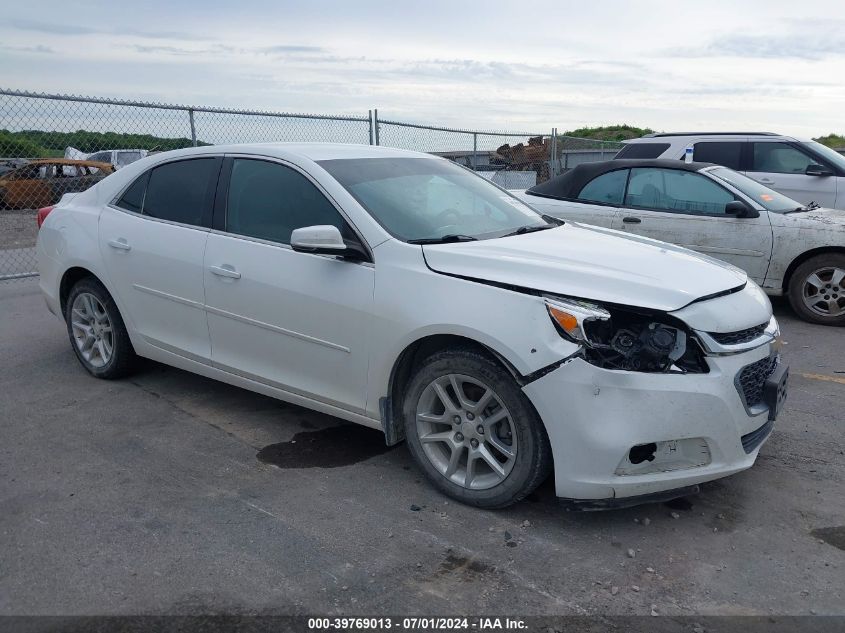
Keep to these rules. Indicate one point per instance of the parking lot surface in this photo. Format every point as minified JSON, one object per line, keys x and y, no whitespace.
{"x":170,"y":493}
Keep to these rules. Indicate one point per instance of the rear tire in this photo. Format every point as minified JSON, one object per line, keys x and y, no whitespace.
{"x":96,"y":331}
{"x":817,"y":289}
{"x":487,"y":446}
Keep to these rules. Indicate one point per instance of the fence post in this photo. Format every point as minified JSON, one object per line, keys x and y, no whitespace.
{"x":193,"y":128}
{"x":375,"y":123}
{"x":475,"y":151}
{"x":553,"y":154}
{"x":370,"y":121}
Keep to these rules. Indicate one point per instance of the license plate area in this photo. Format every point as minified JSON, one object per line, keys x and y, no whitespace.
{"x":775,"y":390}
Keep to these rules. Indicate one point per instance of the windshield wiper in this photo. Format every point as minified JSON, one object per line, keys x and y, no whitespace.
{"x":530,"y":229}
{"x":451,"y":237}
{"x":810,"y":207}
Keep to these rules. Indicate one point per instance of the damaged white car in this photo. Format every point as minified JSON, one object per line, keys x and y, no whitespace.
{"x":402,"y":292}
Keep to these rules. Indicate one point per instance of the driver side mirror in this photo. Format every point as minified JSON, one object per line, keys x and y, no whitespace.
{"x":739,"y":209}
{"x":817,"y":170}
{"x":325,"y":239}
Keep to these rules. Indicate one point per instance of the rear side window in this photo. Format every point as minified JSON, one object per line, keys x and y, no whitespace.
{"x":133,"y":198}
{"x":608,"y":188}
{"x":725,"y":153}
{"x":642,"y":150}
{"x":182,"y":191}
{"x":268,"y":201}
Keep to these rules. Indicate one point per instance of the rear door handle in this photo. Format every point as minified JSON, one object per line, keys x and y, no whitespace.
{"x":120,"y":244}
{"x":225,"y":271}
{"x":766,"y":181}
{"x":631,"y":220}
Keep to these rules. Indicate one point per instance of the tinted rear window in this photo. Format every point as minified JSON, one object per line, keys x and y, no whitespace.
{"x":133,"y":198}
{"x":180,"y":192}
{"x":725,"y":153}
{"x":642,"y":150}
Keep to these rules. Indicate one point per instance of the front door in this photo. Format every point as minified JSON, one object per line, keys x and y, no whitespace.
{"x":296,"y":321}
{"x":781,"y":166}
{"x":688,"y":209}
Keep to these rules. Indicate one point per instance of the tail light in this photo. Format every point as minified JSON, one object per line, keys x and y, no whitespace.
{"x":42,"y":214}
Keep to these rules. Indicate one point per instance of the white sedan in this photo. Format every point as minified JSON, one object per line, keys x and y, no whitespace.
{"x":786,"y":247}
{"x":405,"y":293}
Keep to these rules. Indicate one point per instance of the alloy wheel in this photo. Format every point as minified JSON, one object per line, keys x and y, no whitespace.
{"x":466,"y":431}
{"x":92,"y":330}
{"x":824,"y":291}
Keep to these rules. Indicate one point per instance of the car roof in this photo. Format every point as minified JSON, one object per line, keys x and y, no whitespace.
{"x":569,"y":185}
{"x":310,"y":151}
{"x":664,"y":136}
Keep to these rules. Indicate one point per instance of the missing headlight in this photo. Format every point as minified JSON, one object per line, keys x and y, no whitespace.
{"x":637,"y":342}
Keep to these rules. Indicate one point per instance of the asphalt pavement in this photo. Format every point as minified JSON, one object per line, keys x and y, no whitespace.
{"x":171,"y":493}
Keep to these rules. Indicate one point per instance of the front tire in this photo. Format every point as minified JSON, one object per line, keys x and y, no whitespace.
{"x":96,"y":330}
{"x":817,"y":289}
{"x":472,"y":431}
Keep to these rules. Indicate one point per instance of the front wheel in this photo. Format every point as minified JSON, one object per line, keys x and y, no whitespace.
{"x":473,"y":432}
{"x":817,"y":289}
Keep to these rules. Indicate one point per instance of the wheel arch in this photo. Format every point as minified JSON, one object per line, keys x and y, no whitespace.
{"x":70,"y":278}
{"x":803,"y":257}
{"x":390,"y":407}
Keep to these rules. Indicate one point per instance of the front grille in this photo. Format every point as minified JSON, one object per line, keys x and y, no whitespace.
{"x":740,"y":336}
{"x":752,"y":440}
{"x":752,"y":379}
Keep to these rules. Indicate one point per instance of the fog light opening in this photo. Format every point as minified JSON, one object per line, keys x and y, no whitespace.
{"x":642,"y":453}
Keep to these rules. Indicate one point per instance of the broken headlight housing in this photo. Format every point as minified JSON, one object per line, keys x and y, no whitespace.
{"x":627,"y":339}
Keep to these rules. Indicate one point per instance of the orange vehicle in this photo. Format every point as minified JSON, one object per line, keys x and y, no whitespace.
{"x":43,"y":182}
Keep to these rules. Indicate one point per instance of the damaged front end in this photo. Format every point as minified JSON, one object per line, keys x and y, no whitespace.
{"x":627,"y":339}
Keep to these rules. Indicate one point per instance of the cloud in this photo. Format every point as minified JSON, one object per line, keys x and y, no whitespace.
{"x":787,"y":46}
{"x":39,"y":48}
{"x":53,"y":28}
{"x":286,"y":48}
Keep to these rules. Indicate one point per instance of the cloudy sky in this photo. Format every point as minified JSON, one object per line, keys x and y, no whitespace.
{"x":670,"y":65}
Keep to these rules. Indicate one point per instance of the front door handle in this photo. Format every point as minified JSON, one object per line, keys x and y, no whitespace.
{"x":766,"y":181}
{"x":225,"y":271}
{"x":631,"y":220}
{"x":120,"y":244}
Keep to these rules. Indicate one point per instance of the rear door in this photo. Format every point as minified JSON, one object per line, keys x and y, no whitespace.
{"x":152,"y":240}
{"x":296,"y":321}
{"x":781,"y":166}
{"x":688,"y":209}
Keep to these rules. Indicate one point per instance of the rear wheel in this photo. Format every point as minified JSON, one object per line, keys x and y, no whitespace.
{"x":817,"y":289}
{"x":96,"y":330}
{"x":473,"y":432}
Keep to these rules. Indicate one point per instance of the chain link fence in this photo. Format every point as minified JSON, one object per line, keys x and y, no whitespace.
{"x":56,"y":144}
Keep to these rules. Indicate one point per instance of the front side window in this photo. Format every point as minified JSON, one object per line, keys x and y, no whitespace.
{"x":181,"y":191}
{"x":429,"y":199}
{"x":608,"y":188}
{"x":780,"y":158}
{"x":726,"y":153}
{"x":676,"y":190}
{"x":268,"y":201}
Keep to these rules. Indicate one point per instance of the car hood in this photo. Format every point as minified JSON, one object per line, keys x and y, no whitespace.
{"x":590,"y":263}
{"x":826,"y":217}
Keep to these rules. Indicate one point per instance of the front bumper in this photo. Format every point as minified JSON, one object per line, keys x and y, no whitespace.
{"x":594,"y":417}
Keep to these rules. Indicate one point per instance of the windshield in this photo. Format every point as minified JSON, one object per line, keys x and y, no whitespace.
{"x":828,"y":153}
{"x":425,"y":199}
{"x":769,"y":199}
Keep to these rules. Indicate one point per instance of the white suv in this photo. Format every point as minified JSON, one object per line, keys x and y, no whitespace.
{"x":802,"y":169}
